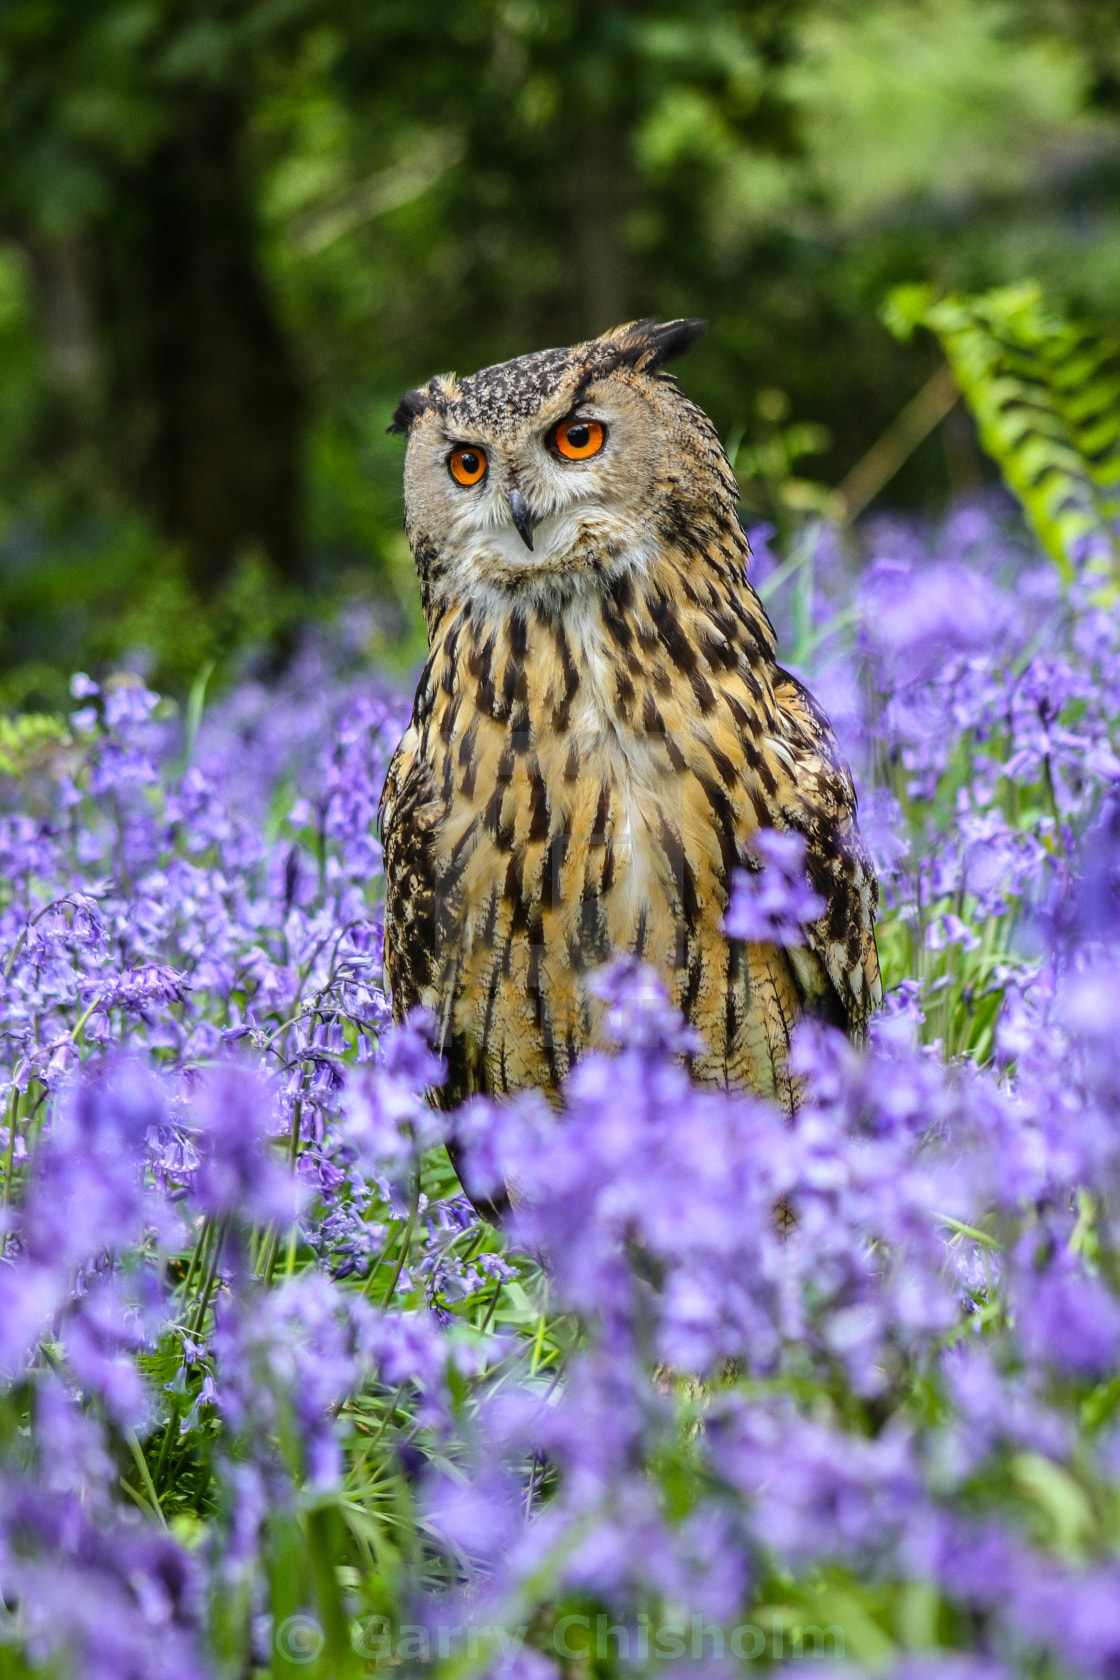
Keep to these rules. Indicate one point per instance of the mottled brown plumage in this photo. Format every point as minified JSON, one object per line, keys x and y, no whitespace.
{"x":598,"y":731}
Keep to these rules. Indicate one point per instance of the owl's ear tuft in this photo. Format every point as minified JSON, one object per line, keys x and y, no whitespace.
{"x":647,"y":345}
{"x":412,"y":404}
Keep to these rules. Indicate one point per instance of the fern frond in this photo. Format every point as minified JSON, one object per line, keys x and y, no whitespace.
{"x":1045,"y":394}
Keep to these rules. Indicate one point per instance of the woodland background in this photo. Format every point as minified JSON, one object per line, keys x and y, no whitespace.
{"x":233,"y":231}
{"x":270,"y":1393}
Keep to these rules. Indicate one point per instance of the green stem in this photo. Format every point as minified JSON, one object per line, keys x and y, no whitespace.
{"x":293,"y":1153}
{"x":82,"y":1019}
{"x":9,"y":1158}
{"x":203,"y":1302}
{"x":1052,"y":801}
{"x":293,"y":1141}
{"x":145,"y":1474}
{"x":967,"y":1230}
{"x":382,"y":1258}
{"x":538,"y":1339}
{"x":290,"y":1262}
{"x":387,"y":1419}
{"x":485,"y":1325}
{"x":169,"y":1433}
{"x":267,"y":1264}
{"x":406,"y":1241}
{"x":200,"y":1244}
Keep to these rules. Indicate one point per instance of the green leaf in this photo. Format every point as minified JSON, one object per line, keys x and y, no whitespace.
{"x":1045,"y":393}
{"x":1062,"y":1502}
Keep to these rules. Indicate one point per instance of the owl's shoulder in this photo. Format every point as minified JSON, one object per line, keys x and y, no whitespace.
{"x":409,"y":812}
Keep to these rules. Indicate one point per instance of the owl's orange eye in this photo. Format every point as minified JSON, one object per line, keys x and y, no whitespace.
{"x":578,"y":440}
{"x":467,"y":466}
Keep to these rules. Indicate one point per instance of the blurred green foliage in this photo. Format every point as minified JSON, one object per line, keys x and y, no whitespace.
{"x":232,"y":231}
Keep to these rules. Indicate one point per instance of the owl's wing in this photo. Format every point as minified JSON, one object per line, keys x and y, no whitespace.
{"x":407,"y":814}
{"x":421,"y":963}
{"x":421,"y":954}
{"x":815,"y":796}
{"x":760,"y":754}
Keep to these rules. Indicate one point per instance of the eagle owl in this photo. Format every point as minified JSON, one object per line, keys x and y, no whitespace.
{"x":599,"y":730}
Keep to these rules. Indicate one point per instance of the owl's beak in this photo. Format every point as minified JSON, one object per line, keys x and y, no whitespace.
{"x":522,"y":518}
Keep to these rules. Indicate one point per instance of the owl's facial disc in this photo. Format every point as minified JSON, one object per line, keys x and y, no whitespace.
{"x":550,"y":493}
{"x":513,"y":501}
{"x":574,"y":439}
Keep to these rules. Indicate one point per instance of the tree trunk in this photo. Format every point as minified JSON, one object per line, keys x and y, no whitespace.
{"x":601,"y":197}
{"x":601,"y":173}
{"x":201,"y":372}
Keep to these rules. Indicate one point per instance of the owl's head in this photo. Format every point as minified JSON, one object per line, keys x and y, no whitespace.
{"x":553,"y":473}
